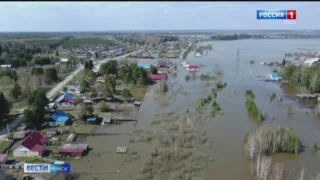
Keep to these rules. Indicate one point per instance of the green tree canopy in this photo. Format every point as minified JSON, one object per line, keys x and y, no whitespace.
{"x":153,"y":70}
{"x":126,"y":94}
{"x":16,"y":91}
{"x":50,"y":75}
{"x":4,"y":106}
{"x":84,"y":85}
{"x":110,"y":84}
{"x":109,"y":67}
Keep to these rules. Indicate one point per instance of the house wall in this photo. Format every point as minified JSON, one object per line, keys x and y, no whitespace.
{"x":26,"y":154}
{"x":65,"y":104}
{"x":55,"y":124}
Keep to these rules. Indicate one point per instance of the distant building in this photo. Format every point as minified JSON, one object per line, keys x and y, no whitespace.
{"x":92,"y":120}
{"x":6,"y":66}
{"x":59,"y":118}
{"x":18,"y":136}
{"x":157,"y":76}
{"x":146,"y":66}
{"x":32,"y":146}
{"x":64,"y":60}
{"x":311,"y":62}
{"x":66,"y":100}
{"x":193,"y":68}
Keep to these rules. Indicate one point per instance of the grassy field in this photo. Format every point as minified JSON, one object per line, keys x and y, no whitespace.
{"x":4,"y":145}
{"x":44,"y":42}
{"x":137,"y":92}
{"x":86,"y":41}
{"x":171,"y":54}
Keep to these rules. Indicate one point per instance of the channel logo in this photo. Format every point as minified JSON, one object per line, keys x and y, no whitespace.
{"x":47,"y":168}
{"x":280,"y":14}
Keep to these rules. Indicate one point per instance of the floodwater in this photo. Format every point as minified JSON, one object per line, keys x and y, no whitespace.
{"x":226,"y":131}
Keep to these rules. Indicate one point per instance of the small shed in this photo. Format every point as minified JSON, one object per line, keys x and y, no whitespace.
{"x":18,"y":136}
{"x":122,"y":150}
{"x":106,"y":121}
{"x":71,"y":137}
{"x":51,"y":132}
{"x":137,"y":103}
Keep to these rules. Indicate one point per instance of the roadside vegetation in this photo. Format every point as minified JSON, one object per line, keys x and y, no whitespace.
{"x":252,"y":108}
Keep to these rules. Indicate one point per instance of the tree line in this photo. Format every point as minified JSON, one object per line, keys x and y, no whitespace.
{"x":169,"y":38}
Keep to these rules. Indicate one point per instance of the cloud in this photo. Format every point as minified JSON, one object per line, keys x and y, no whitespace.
{"x":102,"y":16}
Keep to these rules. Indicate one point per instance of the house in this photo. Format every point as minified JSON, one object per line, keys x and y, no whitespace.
{"x":66,"y":100}
{"x":274,"y":76}
{"x":146,"y":66}
{"x":32,"y":146}
{"x":71,"y":137}
{"x":193,"y":68}
{"x":64,"y":60}
{"x":157,"y":76}
{"x":74,"y":149}
{"x":59,"y":118}
{"x":162,"y":70}
{"x":3,"y":158}
{"x":311,"y":62}
{"x":18,"y":136}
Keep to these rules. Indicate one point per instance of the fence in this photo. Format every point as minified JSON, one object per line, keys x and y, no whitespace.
{"x":9,"y":166}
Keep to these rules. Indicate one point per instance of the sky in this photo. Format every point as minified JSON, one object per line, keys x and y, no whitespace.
{"x":112,"y":16}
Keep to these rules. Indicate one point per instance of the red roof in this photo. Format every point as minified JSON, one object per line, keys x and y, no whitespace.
{"x":66,"y":100}
{"x":70,"y":150}
{"x":38,"y":148}
{"x":32,"y":141}
{"x":193,"y":67}
{"x":157,"y":76}
{"x":163,"y":69}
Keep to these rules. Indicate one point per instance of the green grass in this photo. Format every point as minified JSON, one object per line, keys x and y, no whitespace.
{"x":34,"y":160}
{"x":86,"y":41}
{"x":44,"y":42}
{"x":4,"y":145}
{"x":138,"y":92}
{"x":19,"y":104}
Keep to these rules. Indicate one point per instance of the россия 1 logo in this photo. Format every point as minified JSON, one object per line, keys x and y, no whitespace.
{"x":47,"y":168}
{"x":280,"y":14}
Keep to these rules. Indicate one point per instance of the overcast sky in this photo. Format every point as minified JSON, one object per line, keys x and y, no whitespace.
{"x":103,"y":16}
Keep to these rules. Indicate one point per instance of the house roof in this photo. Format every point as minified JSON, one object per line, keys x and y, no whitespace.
{"x":3,"y":157}
{"x":157,"y":76}
{"x":60,"y":116}
{"x":38,"y":148}
{"x":66,"y":97}
{"x":19,"y":135}
{"x":92,"y":119}
{"x":193,"y":67}
{"x":75,"y":146}
{"x":144,"y":65}
{"x":31,"y":141}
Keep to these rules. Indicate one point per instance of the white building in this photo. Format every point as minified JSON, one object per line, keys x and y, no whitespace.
{"x":64,"y":59}
{"x":312,"y":61}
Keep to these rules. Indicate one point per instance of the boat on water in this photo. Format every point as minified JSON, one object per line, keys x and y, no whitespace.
{"x":193,"y":68}
{"x":198,"y":54}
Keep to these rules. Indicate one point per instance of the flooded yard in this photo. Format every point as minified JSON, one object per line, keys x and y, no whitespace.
{"x":218,"y":138}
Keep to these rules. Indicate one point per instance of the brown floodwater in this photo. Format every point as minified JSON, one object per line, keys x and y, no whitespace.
{"x":226,"y":131}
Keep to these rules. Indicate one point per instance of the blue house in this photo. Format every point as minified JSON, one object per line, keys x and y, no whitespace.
{"x":274,"y":76}
{"x":59,"y":118}
{"x":146,"y":66}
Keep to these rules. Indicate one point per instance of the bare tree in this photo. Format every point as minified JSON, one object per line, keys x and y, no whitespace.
{"x":252,"y":149}
{"x":318,"y":176}
{"x":265,"y":167}
{"x":278,"y":172}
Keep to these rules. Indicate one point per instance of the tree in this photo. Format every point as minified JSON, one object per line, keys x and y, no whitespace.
{"x":110,"y":84}
{"x":15,"y":92}
{"x":50,"y":75}
{"x":315,"y":148}
{"x":84,"y":85}
{"x":126,"y":94}
{"x":283,"y":62}
{"x":1,"y":50}
{"x":93,"y":93}
{"x":153,"y":70}
{"x":109,"y":67}
{"x":4,"y":106}
{"x":103,"y":107}
{"x":97,"y":55}
{"x":28,"y":117}
{"x":251,"y":147}
{"x":57,"y":53}
{"x":265,"y":167}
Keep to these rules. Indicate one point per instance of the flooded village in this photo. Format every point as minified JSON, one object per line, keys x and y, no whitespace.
{"x":189,"y":108}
